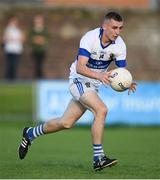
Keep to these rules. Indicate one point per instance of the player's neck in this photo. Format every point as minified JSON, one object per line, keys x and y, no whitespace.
{"x":105,"y":40}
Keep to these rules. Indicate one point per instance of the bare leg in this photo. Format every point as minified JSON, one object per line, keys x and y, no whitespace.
{"x":96,"y":105}
{"x":73,"y":112}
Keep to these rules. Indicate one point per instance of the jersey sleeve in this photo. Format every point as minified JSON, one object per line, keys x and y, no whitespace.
{"x":85,"y":45}
{"x":121,"y":56}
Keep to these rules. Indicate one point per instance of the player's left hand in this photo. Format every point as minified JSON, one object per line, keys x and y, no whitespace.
{"x":132,"y":88}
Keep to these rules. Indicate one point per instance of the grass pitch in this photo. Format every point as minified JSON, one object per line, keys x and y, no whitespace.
{"x":68,"y":154}
{"x":16,"y":100}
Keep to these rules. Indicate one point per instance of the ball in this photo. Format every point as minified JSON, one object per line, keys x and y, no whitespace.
{"x":121,"y":79}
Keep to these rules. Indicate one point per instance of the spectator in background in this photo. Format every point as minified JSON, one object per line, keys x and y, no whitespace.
{"x":39,"y":41}
{"x":13,"y":40}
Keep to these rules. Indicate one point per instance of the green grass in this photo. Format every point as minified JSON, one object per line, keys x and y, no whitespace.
{"x":68,"y":154}
{"x":16,"y":100}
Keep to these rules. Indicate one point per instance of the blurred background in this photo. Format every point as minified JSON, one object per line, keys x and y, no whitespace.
{"x":61,"y":24}
{"x":39,"y":40}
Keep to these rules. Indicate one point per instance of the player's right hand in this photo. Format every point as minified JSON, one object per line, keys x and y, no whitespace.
{"x":105,"y":77}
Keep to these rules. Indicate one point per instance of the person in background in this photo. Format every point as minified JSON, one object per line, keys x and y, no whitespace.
{"x":13,"y":40}
{"x":39,"y":40}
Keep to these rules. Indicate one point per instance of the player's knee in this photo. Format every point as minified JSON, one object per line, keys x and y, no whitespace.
{"x":66,"y":125}
{"x":102,"y":112}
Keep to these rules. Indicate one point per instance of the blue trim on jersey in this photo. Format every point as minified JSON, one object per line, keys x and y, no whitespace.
{"x":100,"y":37}
{"x":84,"y":52}
{"x":98,"y":64}
{"x":121,"y":63}
{"x":79,"y":86}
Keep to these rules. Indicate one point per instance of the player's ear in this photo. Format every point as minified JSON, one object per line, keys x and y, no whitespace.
{"x":103,"y":26}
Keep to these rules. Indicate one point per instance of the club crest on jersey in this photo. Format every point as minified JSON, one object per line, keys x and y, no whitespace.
{"x":112,"y":57}
{"x":88,"y":85}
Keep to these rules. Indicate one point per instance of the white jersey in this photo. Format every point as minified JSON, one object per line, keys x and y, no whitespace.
{"x":13,"y":40}
{"x":99,"y":56}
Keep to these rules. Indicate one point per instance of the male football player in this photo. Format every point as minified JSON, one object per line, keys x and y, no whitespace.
{"x":98,"y":48}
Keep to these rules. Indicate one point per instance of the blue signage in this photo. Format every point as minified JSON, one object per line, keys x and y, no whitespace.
{"x":140,"y":108}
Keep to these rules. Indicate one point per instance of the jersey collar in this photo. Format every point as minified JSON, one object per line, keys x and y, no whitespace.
{"x":100,"y":38}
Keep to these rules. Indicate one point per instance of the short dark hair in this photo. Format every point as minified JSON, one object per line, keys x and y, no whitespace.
{"x":113,"y":15}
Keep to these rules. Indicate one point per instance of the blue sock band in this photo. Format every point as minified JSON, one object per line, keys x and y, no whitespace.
{"x":35,"y":132}
{"x":98,"y":150}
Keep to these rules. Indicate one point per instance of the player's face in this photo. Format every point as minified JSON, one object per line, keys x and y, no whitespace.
{"x":112,"y":29}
